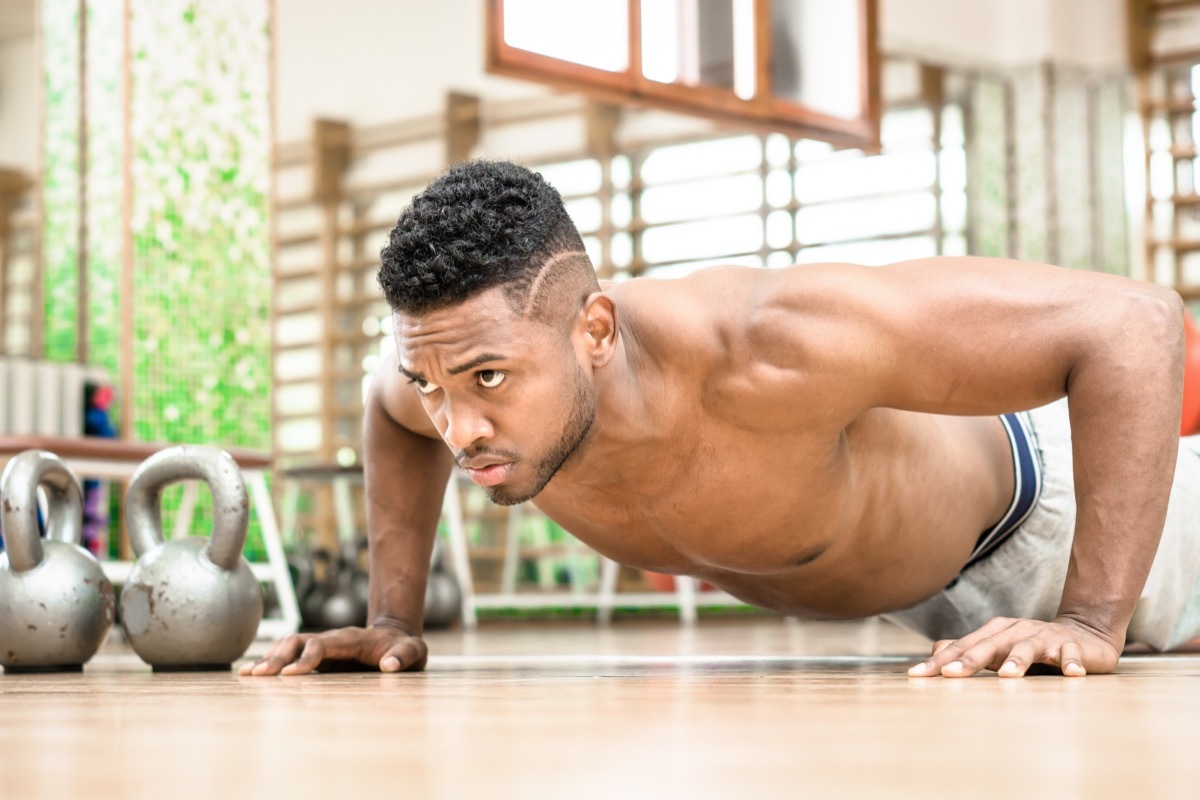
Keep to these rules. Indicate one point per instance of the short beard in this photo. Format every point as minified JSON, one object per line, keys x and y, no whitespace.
{"x":583,"y":414}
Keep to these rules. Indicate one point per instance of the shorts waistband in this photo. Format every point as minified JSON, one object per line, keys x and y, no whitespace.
{"x":1027,"y":488}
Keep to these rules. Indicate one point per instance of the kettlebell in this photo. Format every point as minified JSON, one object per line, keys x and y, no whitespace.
{"x":343,"y":605}
{"x":300,"y":571}
{"x":190,"y":603}
{"x":56,"y":606}
{"x":316,"y":580}
{"x":443,"y":597}
{"x":357,"y":553}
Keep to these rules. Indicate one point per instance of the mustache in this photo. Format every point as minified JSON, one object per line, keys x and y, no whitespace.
{"x":476,"y":452}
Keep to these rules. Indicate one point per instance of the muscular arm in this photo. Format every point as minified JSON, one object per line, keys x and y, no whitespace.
{"x":984,"y":336}
{"x":405,"y":471}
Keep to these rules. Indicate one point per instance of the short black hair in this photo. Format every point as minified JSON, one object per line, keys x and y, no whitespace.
{"x":479,"y":225}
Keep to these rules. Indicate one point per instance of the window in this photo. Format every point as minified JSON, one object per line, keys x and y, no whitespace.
{"x":807,"y":68}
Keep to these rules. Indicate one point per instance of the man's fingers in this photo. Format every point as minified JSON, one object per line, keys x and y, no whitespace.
{"x":1070,"y":660}
{"x":341,"y":649}
{"x":280,"y":655}
{"x":972,"y":659}
{"x":944,"y":652}
{"x":310,"y":658}
{"x":1015,"y":647}
{"x":404,"y":655}
{"x":958,"y":658}
{"x":1017,"y":662}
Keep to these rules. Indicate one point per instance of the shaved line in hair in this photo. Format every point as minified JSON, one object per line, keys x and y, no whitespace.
{"x":545,"y":280}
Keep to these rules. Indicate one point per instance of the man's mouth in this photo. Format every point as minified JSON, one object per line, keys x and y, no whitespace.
{"x":491,"y":474}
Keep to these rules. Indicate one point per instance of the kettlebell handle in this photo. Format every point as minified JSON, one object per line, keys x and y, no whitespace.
{"x":18,"y":489}
{"x":231,"y":506}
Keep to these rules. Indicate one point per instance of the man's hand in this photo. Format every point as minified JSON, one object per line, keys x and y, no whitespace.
{"x":1012,"y":646}
{"x":388,"y":647}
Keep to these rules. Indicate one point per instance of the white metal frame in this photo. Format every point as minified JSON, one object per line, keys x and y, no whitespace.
{"x":686,"y":596}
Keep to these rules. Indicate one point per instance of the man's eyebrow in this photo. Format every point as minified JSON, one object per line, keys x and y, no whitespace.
{"x":477,"y":361}
{"x":412,"y":376}
{"x":461,"y":368}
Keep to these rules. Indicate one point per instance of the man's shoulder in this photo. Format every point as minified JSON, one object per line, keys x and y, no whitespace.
{"x":390,"y":390}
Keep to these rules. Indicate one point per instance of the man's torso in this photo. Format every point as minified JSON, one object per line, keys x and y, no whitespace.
{"x":743,"y":472}
{"x":873,"y":516}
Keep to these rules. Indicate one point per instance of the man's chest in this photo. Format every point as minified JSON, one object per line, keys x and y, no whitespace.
{"x":750,"y":505}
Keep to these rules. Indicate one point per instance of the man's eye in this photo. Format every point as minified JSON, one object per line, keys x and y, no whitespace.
{"x":423,"y":386}
{"x":490,"y":378}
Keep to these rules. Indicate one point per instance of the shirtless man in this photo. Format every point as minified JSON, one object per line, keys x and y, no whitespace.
{"x":826,"y":441}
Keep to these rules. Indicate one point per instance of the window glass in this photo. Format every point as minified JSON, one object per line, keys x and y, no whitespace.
{"x":593,"y":33}
{"x":815,"y":55}
{"x":711,"y":197}
{"x":700,"y":159}
{"x":703,"y":240}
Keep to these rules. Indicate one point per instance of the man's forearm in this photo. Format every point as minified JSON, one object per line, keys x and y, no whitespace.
{"x":1125,"y":404}
{"x":405,"y":476}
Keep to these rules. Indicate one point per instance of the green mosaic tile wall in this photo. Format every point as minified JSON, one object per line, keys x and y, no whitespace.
{"x":60,"y":25}
{"x":105,"y":46}
{"x":202,"y":271}
{"x":200,"y":126}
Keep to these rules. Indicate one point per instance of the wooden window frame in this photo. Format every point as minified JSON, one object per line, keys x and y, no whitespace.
{"x":764,"y":112}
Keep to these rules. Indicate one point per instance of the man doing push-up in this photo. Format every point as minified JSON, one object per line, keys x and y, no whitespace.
{"x":985,"y":451}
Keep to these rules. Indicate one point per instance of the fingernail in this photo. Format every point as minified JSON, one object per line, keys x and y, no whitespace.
{"x":920,"y":669}
{"x":1009,"y":668}
{"x":953,"y":666}
{"x":1074,"y":669}
{"x":390,"y":664}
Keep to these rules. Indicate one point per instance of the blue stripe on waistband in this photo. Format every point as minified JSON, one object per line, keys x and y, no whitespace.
{"x":1027,"y":479}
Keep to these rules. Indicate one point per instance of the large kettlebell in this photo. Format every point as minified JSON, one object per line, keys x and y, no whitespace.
{"x":56,"y":606}
{"x":190,"y":603}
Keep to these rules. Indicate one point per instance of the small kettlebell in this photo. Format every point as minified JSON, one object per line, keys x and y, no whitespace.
{"x":56,"y":606}
{"x":343,"y":606}
{"x":443,"y":597}
{"x":190,"y":603}
{"x":357,"y":553}
{"x":316,"y":580}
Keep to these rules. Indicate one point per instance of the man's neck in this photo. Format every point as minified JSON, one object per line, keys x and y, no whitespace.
{"x":629,"y":421}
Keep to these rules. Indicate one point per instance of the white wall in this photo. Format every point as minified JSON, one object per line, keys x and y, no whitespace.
{"x":378,"y":60}
{"x":18,"y":103}
{"x":998,"y":33}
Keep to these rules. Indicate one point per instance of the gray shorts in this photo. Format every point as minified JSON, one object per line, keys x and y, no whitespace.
{"x":1024,"y":577}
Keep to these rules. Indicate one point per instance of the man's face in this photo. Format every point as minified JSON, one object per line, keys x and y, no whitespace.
{"x":508,"y":395}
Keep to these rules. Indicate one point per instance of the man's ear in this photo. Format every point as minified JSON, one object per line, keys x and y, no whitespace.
{"x":600,"y":321}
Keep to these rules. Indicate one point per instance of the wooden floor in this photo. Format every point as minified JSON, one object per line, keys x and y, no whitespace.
{"x":745,"y":708}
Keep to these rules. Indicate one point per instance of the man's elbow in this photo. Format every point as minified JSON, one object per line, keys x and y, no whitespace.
{"x":1158,"y":311}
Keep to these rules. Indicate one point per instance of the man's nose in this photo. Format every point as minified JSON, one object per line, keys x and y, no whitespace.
{"x":465,"y":426}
